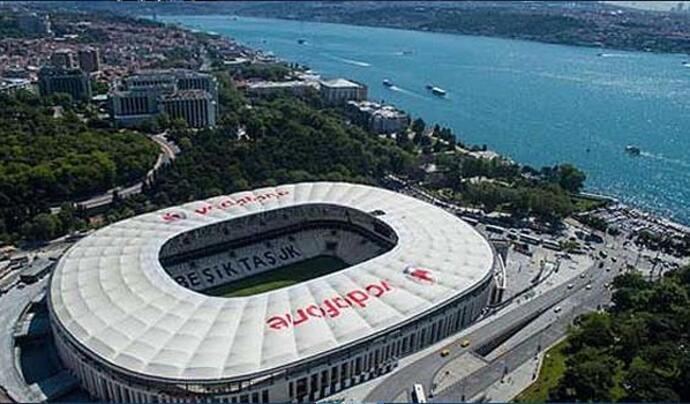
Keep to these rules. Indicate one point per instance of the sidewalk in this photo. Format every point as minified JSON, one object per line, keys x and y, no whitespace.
{"x":513,"y":383}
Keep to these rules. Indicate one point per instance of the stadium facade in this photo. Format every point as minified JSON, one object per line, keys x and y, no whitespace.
{"x":134,"y":318}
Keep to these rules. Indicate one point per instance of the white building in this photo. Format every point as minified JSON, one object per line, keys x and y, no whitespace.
{"x":378,"y":118}
{"x":11,"y":86}
{"x":340,"y":91}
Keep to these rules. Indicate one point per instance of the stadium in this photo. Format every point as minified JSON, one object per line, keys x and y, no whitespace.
{"x":280,"y":294}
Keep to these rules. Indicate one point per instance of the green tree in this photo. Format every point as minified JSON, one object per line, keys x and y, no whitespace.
{"x":570,"y":178}
{"x":588,"y":377}
{"x":418,"y":126}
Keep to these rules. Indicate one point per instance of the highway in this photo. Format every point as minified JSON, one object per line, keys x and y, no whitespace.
{"x":424,"y":370}
{"x":551,"y":327}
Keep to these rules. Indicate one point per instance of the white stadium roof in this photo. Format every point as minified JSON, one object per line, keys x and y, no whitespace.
{"x":112,"y":295}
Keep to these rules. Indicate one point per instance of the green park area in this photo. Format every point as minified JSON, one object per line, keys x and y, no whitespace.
{"x":550,"y":373}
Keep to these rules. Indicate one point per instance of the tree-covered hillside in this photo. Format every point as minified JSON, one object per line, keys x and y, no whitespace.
{"x":288,"y":141}
{"x":47,"y":158}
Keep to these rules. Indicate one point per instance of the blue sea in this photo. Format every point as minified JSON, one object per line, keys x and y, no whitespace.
{"x":538,"y":104}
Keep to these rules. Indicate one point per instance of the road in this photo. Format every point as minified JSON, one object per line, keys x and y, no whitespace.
{"x":13,"y":303}
{"x":423,"y":370}
{"x":550,"y":327}
{"x":168,"y":153}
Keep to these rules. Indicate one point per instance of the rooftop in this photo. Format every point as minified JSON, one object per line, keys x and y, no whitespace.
{"x":111,"y":294}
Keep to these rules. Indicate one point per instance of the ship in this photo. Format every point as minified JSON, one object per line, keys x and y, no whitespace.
{"x":438,"y":91}
{"x":632,"y":150}
{"x":387,"y":83}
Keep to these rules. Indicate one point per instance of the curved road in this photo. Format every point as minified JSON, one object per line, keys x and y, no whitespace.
{"x":168,"y":153}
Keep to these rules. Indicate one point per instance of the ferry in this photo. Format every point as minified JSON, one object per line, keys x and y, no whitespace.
{"x":438,"y":91}
{"x":387,"y":83}
{"x":632,"y":150}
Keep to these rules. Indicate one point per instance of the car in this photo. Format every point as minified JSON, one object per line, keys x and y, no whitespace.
{"x":589,"y":286}
{"x":570,"y":286}
{"x":583,"y":275}
{"x":614,"y":259}
{"x":557,"y":309}
{"x":608,"y":269}
{"x":465,"y":343}
{"x":606,"y":285}
{"x":445,"y":352}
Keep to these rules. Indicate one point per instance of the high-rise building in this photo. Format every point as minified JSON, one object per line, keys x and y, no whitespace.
{"x":189,"y":80}
{"x":63,"y":58}
{"x":156,"y":79}
{"x":182,"y":94}
{"x":196,"y":107}
{"x":132,"y":107}
{"x":75,"y":82}
{"x":89,"y":60}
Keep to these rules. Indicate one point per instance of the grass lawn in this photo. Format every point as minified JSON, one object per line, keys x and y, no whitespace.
{"x":551,"y":372}
{"x":280,"y":277}
{"x":585,"y":204}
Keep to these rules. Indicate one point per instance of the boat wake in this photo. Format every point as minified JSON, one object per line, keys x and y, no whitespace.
{"x":614,"y":55}
{"x":662,"y":158}
{"x":407,"y":92}
{"x":348,"y":61}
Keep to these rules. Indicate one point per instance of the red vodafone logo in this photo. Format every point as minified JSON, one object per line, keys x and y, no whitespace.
{"x":420,"y":275}
{"x":173,"y":216}
{"x":224,"y":203}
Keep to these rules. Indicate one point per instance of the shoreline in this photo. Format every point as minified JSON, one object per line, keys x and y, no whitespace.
{"x":636,"y":211}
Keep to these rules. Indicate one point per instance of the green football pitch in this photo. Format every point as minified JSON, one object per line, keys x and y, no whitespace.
{"x":280,"y":278}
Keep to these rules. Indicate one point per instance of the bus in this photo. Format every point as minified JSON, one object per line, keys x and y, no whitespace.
{"x":418,"y":395}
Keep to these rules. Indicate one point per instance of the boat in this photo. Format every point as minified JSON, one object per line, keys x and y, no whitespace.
{"x":438,"y":91}
{"x":387,"y":83}
{"x":301,"y":41}
{"x":632,"y":150}
{"x":407,"y":52}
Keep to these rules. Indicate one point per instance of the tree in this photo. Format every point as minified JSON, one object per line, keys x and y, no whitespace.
{"x":594,"y":330}
{"x":643,"y":384}
{"x":44,"y":226}
{"x":588,"y":377}
{"x":570,"y":178}
{"x":418,"y":126}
